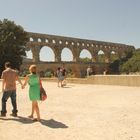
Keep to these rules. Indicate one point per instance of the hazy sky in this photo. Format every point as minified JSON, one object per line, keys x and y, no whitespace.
{"x":104,"y":20}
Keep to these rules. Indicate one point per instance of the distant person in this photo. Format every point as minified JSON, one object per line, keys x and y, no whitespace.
{"x":60,"y":76}
{"x":64,"y":75}
{"x":105,"y":72}
{"x":9,"y":76}
{"x":34,"y":91}
{"x":89,"y":71}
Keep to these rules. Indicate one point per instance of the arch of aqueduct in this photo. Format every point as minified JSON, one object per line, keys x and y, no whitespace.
{"x":75,"y":45}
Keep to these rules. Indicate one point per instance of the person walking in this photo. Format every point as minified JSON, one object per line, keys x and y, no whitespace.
{"x":34,"y":91}
{"x":9,"y":76}
{"x":64,"y":82}
{"x":89,"y":71}
{"x":60,"y":76}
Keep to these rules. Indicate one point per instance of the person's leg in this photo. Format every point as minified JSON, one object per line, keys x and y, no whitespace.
{"x":37,"y":110}
{"x":64,"y":83}
{"x":5,"y":97}
{"x":32,"y":113}
{"x":58,"y":82}
{"x":61,"y":83}
{"x":14,"y":103}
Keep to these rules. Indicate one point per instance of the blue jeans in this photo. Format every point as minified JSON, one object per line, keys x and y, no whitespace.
{"x":6,"y":95}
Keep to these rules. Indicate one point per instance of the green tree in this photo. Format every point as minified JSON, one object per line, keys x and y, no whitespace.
{"x":133,"y":64}
{"x":13,"y":39}
{"x":86,"y":59}
{"x":116,"y":65}
{"x":114,"y":57}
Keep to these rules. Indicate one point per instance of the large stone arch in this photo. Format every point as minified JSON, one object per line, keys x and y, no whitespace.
{"x":48,"y":54}
{"x":101,"y":56}
{"x":87,"y":51}
{"x":66,"y":54}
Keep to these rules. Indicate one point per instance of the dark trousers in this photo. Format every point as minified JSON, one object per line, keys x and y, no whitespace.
{"x":6,"y":95}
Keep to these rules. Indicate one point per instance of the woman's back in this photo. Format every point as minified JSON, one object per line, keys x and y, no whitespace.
{"x":34,"y":90}
{"x":33,"y":80}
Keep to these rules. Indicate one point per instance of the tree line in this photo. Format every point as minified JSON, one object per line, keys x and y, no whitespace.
{"x":128,"y":64}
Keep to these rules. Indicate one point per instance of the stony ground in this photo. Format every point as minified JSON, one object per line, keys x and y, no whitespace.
{"x":76,"y":112}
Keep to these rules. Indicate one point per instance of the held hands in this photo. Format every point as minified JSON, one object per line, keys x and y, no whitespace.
{"x":25,"y":82}
{"x":22,"y":86}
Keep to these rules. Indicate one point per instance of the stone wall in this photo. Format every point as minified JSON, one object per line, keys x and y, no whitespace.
{"x":78,"y":69}
{"x":121,"y":80}
{"x":76,"y":45}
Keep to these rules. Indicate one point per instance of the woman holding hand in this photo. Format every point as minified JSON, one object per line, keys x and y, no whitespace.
{"x":34,"y":91}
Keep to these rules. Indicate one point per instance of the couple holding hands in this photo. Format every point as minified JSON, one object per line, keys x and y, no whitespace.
{"x":9,"y":78}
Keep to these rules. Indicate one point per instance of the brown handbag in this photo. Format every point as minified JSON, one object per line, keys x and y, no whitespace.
{"x":43,"y":94}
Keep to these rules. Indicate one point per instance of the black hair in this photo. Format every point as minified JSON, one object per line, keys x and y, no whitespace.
{"x":8,"y":64}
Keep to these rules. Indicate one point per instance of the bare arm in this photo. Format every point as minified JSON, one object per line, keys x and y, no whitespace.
{"x":3,"y":84}
{"x":3,"y":81}
{"x":18,"y":79}
{"x":26,"y":81}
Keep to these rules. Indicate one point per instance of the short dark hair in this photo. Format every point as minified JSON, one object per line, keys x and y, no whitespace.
{"x":7,"y":64}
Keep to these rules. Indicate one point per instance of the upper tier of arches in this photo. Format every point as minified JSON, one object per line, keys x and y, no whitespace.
{"x":58,"y":43}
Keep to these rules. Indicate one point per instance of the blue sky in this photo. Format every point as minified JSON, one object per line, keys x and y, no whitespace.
{"x":105,"y":20}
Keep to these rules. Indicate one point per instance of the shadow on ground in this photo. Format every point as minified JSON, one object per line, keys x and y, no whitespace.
{"x":50,"y":123}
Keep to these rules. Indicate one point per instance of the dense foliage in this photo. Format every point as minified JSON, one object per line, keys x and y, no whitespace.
{"x":13,"y":38}
{"x":133,"y":64}
{"x":128,"y":64}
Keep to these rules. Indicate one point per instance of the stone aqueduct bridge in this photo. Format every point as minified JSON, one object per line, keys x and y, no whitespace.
{"x":76,"y":45}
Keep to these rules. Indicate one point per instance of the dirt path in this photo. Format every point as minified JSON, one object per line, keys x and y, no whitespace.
{"x":77,"y":112}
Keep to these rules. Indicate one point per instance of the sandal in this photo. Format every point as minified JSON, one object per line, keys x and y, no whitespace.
{"x":30,"y":116}
{"x":36,"y":120}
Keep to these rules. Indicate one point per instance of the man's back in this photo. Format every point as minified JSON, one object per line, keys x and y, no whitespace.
{"x":9,"y":75}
